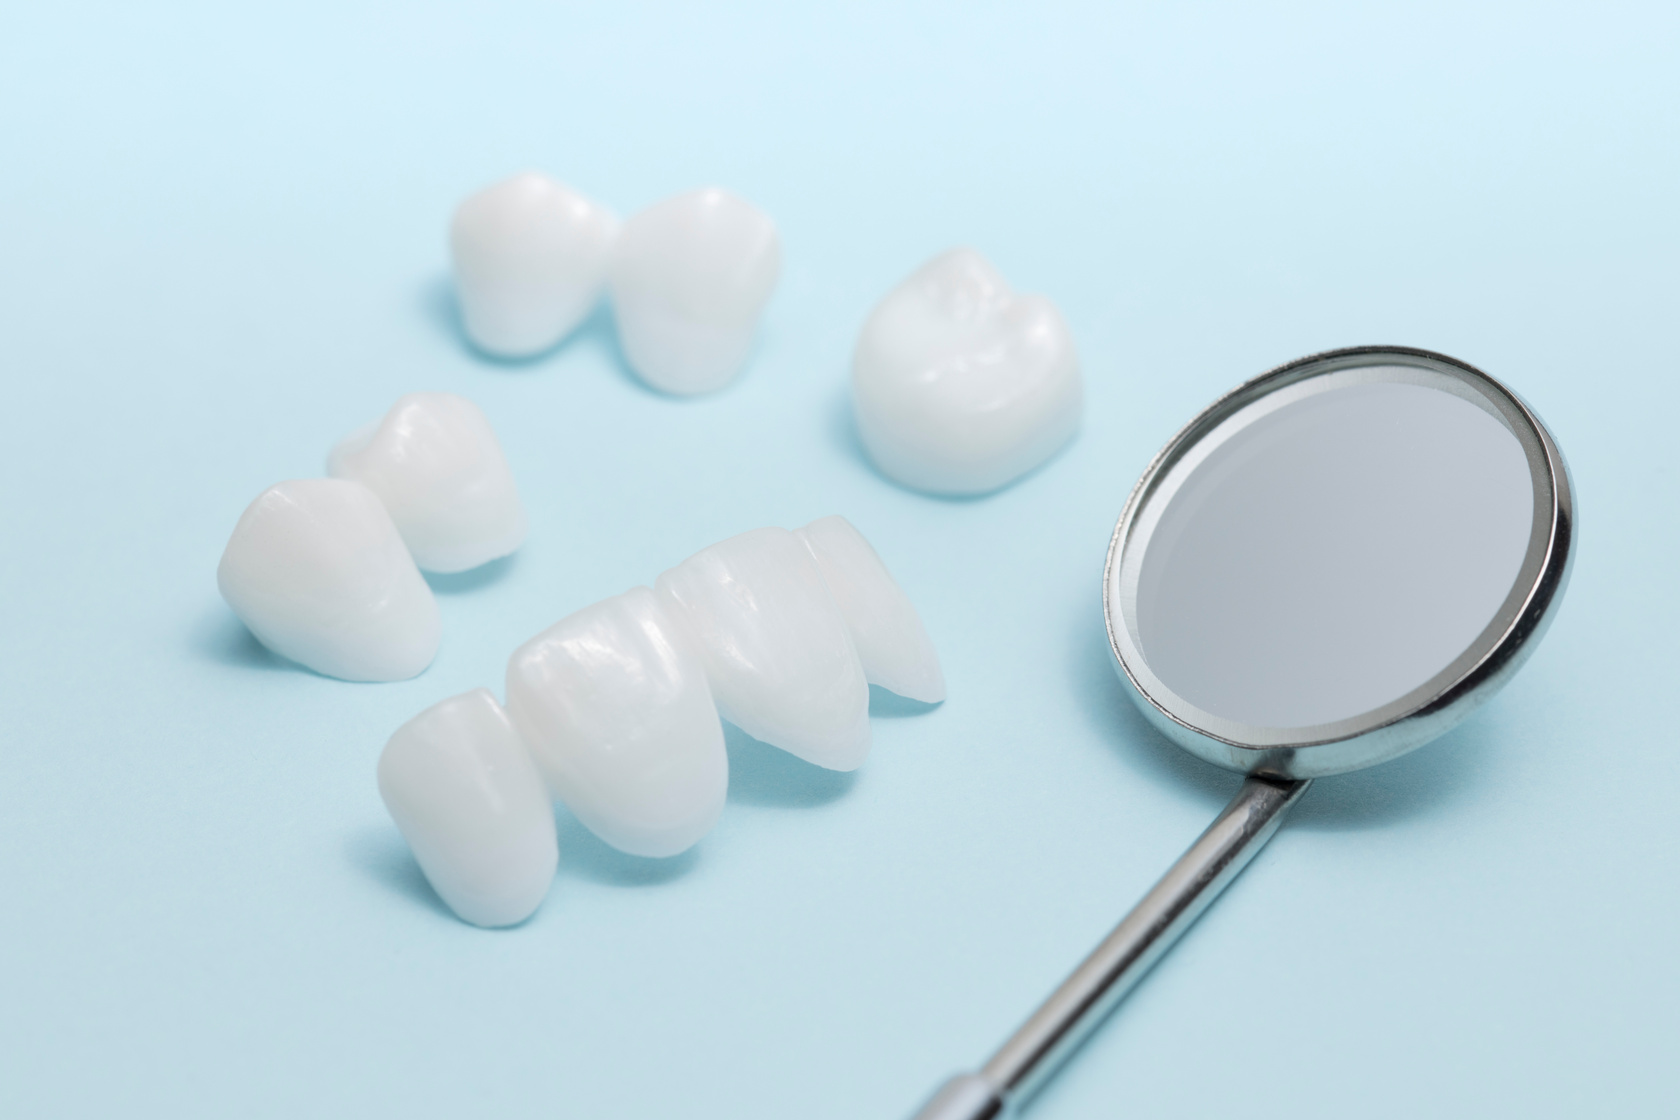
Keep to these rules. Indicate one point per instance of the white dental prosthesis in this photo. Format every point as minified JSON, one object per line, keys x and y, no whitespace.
{"x":617,"y":713}
{"x":435,"y":463}
{"x":317,"y":571}
{"x":324,"y":570}
{"x":774,"y":645}
{"x":960,"y":385}
{"x":530,"y":260}
{"x":471,"y":805}
{"x":892,"y":645}
{"x":618,"y":704}
{"x":690,"y":277}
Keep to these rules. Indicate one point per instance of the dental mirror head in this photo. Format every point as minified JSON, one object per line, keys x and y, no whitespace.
{"x":1330,"y":566}
{"x":1338,"y":561}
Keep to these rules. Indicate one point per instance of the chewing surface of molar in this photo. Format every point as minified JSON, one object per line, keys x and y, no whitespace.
{"x":530,"y":259}
{"x":473,"y":808}
{"x":618,"y":716}
{"x":960,"y":385}
{"x":435,"y":463}
{"x":892,"y":644}
{"x":774,"y":645}
{"x":318,"y":572}
{"x":690,"y":277}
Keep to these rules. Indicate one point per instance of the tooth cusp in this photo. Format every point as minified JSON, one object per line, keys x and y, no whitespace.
{"x":317,"y":571}
{"x":892,"y":644}
{"x":773,"y":645}
{"x":436,"y":464}
{"x":960,"y":386}
{"x":618,"y":717}
{"x":690,"y":277}
{"x":530,"y":258}
{"x":465,"y":795}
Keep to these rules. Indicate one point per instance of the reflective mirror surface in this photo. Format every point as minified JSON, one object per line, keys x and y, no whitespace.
{"x":1334,"y":554}
{"x":1338,"y":560}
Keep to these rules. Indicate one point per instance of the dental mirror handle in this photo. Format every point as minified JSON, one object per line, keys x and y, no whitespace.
{"x":1024,"y":1063}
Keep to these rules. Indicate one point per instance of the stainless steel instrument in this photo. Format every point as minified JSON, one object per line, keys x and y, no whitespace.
{"x":1320,"y":707}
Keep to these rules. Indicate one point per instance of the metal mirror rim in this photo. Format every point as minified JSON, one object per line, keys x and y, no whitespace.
{"x":1427,"y":711}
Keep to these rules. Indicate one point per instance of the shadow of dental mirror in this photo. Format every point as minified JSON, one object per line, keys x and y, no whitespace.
{"x":1330,"y":566}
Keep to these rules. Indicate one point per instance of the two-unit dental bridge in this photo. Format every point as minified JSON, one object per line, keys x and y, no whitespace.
{"x":689,"y":276}
{"x":616,"y":711}
{"x":326,"y":571}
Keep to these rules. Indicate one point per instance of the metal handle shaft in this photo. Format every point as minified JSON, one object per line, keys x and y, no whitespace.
{"x":1024,"y":1063}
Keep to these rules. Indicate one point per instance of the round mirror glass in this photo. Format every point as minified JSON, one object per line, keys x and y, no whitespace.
{"x":1336,"y":549}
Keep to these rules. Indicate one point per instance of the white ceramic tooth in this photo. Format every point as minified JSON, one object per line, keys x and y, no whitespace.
{"x":690,"y":277}
{"x":892,"y":644}
{"x":961,"y":386}
{"x":620,"y":720}
{"x":435,"y":463}
{"x":774,"y":645}
{"x":471,"y":805}
{"x":530,"y":260}
{"x":318,"y":572}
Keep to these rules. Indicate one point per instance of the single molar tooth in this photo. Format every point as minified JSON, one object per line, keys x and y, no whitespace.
{"x":774,"y":645}
{"x":617,"y":714}
{"x":435,"y":463}
{"x":473,"y":809}
{"x":690,"y":276}
{"x":962,"y":386}
{"x":318,"y":572}
{"x":892,"y":644}
{"x":530,"y":261}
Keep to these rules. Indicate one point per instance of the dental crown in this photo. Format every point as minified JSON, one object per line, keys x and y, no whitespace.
{"x":960,"y":385}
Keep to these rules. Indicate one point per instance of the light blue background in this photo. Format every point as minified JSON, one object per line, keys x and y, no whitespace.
{"x":221,"y":247}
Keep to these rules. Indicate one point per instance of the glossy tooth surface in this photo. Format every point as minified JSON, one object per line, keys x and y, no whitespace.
{"x":961,"y":386}
{"x":473,"y":809}
{"x":435,"y":463}
{"x":318,"y":572}
{"x":892,"y":644}
{"x":690,"y":277}
{"x":530,"y":260}
{"x":774,"y":645}
{"x":619,"y":718}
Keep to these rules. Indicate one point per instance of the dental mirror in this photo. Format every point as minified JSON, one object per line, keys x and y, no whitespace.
{"x":1333,"y":564}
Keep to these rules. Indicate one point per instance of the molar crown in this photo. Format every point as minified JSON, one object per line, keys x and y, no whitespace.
{"x":960,"y":385}
{"x":618,"y":716}
{"x":318,"y":572}
{"x":467,"y":798}
{"x":436,"y":464}
{"x":690,"y":277}
{"x":530,"y":257}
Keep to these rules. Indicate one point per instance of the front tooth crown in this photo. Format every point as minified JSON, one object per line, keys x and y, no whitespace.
{"x":690,"y":276}
{"x":892,"y":644}
{"x":618,"y":717}
{"x":436,"y":464}
{"x":960,"y":385}
{"x":530,"y":260}
{"x":473,"y":809}
{"x":317,"y":571}
{"x":774,"y":645}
